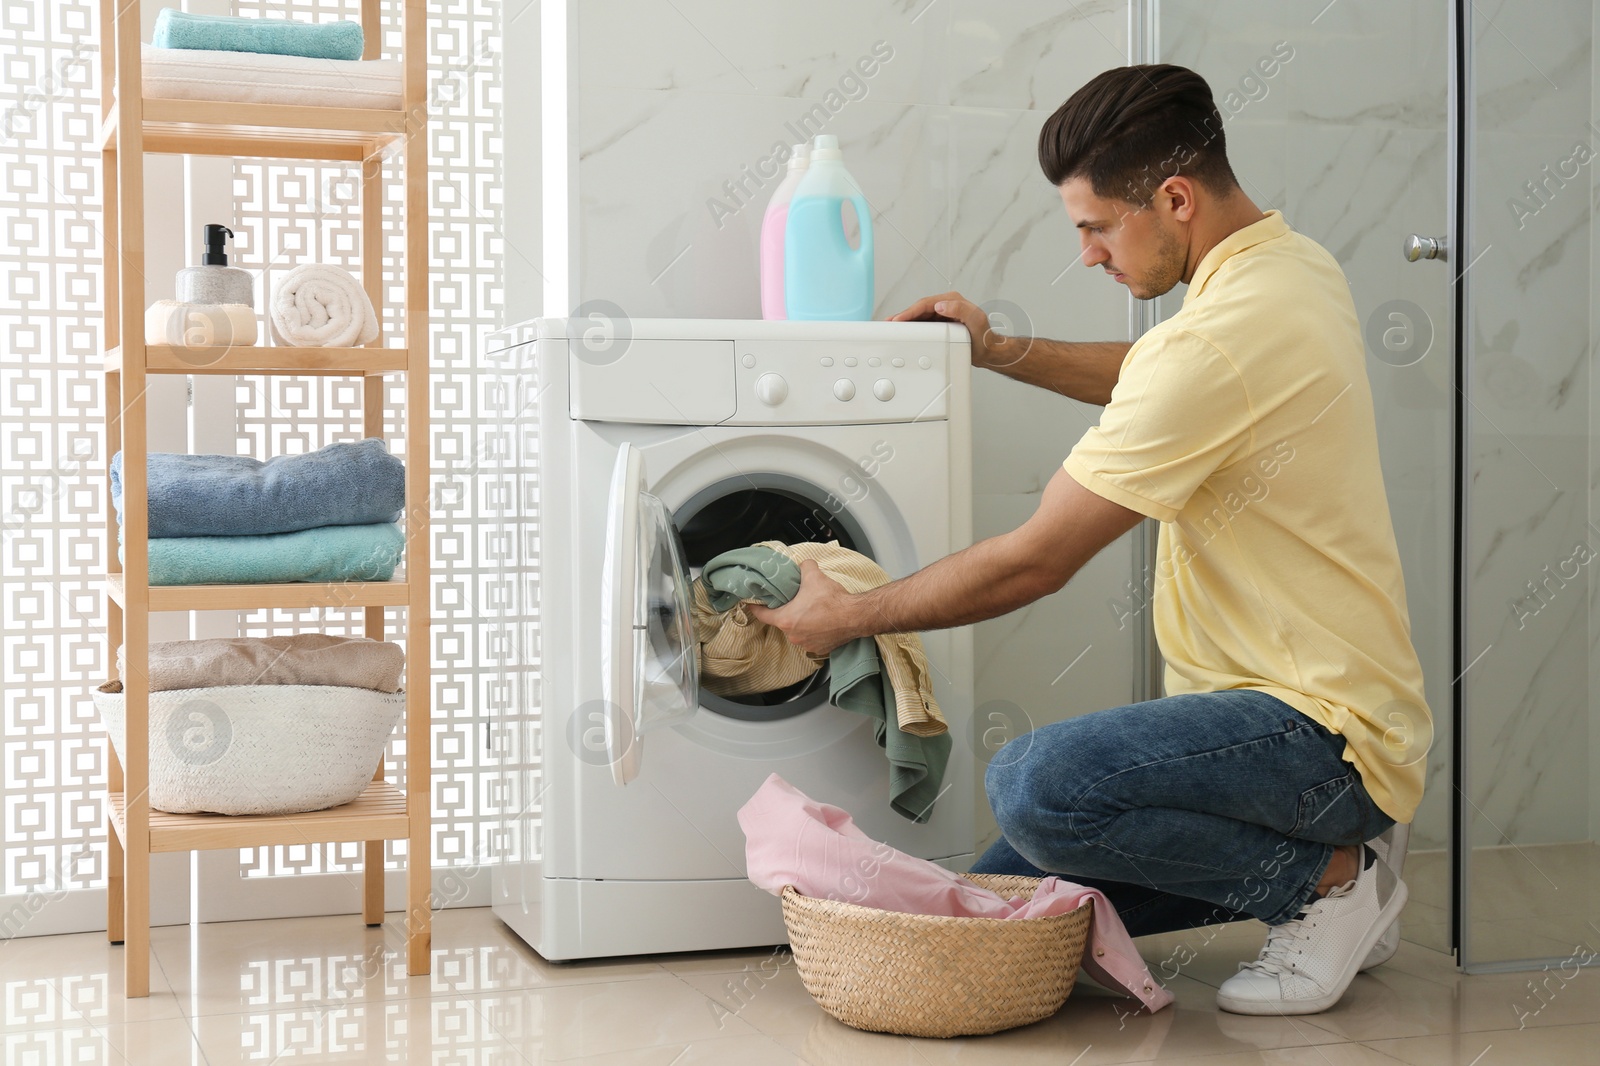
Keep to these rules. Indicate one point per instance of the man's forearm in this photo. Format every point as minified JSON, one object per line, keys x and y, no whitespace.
{"x":1082,"y":370}
{"x":972,"y":585}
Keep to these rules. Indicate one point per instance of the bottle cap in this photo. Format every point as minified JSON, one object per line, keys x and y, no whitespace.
{"x":799,"y":156}
{"x":216,"y":253}
{"x":826,"y":146}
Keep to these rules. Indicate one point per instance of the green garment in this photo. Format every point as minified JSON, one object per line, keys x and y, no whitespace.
{"x":856,"y":682}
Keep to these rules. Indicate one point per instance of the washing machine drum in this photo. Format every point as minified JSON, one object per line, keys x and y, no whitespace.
{"x":743,"y":511}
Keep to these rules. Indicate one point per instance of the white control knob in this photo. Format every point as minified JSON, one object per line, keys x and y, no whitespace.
{"x":844,"y":389}
{"x":883,"y":389}
{"x":771,"y":389}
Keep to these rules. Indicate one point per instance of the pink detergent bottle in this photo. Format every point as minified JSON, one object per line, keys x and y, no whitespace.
{"x":773,"y":225}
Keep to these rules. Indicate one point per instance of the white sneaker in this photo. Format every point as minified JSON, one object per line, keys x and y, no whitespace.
{"x":1391,"y":848}
{"x":1308,"y":962}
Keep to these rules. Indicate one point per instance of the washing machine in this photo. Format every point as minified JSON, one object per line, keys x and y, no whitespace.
{"x":661,"y":444}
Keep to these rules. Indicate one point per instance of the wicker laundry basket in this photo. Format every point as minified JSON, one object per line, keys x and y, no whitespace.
{"x":928,"y":975}
{"x":257,"y":749}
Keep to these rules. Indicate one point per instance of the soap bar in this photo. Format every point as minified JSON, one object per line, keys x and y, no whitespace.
{"x":198,"y":325}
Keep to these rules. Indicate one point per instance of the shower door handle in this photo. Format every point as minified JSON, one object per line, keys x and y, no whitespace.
{"x":1420,"y":247}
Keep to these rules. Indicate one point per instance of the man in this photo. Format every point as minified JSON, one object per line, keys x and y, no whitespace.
{"x":1294,"y":728}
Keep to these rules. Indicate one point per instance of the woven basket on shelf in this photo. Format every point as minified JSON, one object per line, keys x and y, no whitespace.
{"x":258,"y":749}
{"x":928,"y":975}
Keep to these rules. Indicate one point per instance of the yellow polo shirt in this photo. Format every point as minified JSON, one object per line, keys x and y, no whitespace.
{"x":1244,"y":424}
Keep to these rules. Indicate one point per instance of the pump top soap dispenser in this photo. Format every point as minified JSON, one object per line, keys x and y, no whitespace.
{"x":214,"y":281}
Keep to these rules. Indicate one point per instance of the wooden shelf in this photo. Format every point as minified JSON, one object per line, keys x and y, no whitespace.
{"x":395,"y":593}
{"x":379,"y":813}
{"x":264,"y":359}
{"x":208,"y":127}
{"x":131,"y":128}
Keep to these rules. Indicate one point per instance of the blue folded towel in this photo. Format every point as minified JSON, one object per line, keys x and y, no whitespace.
{"x":235,"y":495}
{"x":334,"y":553}
{"x":279,"y":37}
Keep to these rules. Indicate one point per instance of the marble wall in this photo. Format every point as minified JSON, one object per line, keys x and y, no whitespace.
{"x":675,"y":109}
{"x":1593,"y":723}
{"x":1594,"y":439}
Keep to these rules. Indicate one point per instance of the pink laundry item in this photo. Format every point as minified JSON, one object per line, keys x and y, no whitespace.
{"x":791,"y":839}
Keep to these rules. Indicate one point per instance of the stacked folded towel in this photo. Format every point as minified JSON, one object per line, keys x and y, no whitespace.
{"x":284,"y":37}
{"x":257,"y":78}
{"x":328,"y":515}
{"x":297,"y":659}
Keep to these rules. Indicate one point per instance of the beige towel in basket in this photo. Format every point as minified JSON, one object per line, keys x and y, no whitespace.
{"x":296,"y":659}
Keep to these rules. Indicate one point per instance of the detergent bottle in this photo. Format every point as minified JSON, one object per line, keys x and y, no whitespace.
{"x":773,"y":224}
{"x":823,"y":277}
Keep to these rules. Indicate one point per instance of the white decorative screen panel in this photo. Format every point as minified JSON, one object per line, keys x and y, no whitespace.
{"x":52,"y":456}
{"x":53,"y":453}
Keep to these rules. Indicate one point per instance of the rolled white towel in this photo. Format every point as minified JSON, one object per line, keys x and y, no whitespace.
{"x":318,"y":306}
{"x":191,"y":325}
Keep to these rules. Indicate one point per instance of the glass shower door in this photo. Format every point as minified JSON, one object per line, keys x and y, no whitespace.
{"x":1340,"y":119}
{"x":1528,"y":802}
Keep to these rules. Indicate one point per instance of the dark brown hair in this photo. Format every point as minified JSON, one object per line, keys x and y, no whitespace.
{"x":1131,"y":128}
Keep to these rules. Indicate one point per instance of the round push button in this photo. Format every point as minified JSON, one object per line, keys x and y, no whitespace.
{"x":771,"y":389}
{"x":844,"y":389}
{"x":747,"y":359}
{"x":924,"y":362}
{"x":897,"y":361}
{"x":883,"y":389}
{"x":849,"y":360}
{"x":874,"y":361}
{"x":827,"y":360}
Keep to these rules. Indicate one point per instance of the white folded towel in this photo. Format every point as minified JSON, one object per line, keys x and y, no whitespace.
{"x":255,"y":78}
{"x":199,"y":325}
{"x":317,"y":306}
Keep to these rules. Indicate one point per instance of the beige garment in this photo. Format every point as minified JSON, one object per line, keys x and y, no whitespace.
{"x":904,"y":659}
{"x":739,"y":655}
{"x":297,"y":659}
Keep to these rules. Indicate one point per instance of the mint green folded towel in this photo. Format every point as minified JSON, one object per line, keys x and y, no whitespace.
{"x":328,"y":553}
{"x":279,"y":37}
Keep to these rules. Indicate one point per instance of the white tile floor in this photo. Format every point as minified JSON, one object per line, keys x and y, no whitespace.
{"x":332,"y":990}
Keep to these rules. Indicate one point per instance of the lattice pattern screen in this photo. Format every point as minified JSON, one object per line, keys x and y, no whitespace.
{"x":291,"y":213}
{"x":51,"y":451}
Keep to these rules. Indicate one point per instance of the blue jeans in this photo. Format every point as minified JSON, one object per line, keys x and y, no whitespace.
{"x":1185,"y":811}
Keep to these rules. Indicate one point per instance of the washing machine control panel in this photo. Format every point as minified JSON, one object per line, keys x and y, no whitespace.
{"x":788,"y":382}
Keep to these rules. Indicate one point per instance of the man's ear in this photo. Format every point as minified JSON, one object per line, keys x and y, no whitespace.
{"x":1176,"y":198}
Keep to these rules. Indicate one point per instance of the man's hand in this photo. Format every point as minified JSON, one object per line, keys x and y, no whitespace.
{"x":818,"y":618}
{"x":1084,"y":370}
{"x":990,"y":349}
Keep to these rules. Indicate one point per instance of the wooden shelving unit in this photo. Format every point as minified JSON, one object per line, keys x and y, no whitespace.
{"x":132,"y":127}
{"x":256,"y":359}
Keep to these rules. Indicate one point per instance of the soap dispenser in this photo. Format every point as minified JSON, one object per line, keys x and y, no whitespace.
{"x":214,"y":281}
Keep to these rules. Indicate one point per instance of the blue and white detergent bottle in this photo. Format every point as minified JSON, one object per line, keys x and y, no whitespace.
{"x":823,"y":277}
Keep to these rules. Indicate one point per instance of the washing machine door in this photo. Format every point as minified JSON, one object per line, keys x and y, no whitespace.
{"x":649,"y":670}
